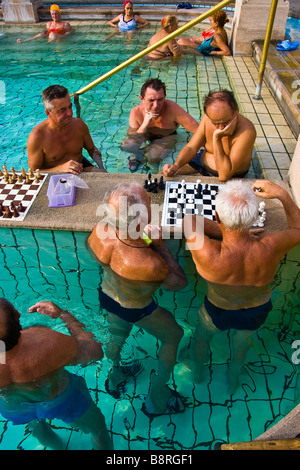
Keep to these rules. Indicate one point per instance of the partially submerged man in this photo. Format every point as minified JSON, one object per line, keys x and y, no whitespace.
{"x":133,"y":271}
{"x":34,"y":383}
{"x":225,"y":139}
{"x":155,"y":120}
{"x":56,"y":144}
{"x":238,"y":267}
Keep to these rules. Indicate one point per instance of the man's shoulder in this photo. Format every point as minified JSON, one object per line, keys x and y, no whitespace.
{"x":246,"y":124}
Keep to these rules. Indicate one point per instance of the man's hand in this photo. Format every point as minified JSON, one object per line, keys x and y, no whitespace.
{"x":148,"y":116}
{"x":170,"y":170}
{"x":267,"y":189}
{"x":228,"y":130}
{"x":46,"y":307}
{"x":155,"y":233}
{"x":70,"y":167}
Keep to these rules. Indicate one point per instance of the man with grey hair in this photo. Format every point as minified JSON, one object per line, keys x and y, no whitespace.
{"x":56,"y":144}
{"x":133,"y":271}
{"x":238,"y":267}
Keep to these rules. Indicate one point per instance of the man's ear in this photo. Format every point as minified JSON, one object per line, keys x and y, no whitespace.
{"x":47,"y":112}
{"x":217,"y":218}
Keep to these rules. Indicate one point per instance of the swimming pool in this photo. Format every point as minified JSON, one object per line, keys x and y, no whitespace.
{"x":38,"y":265}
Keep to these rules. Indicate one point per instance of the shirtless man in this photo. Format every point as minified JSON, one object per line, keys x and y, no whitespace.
{"x":133,"y":271}
{"x":155,"y":120}
{"x":34,"y":384}
{"x":238,"y":267}
{"x":56,"y":144}
{"x":228,"y":139}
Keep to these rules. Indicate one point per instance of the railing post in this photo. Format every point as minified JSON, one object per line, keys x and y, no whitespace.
{"x":265,"y":49}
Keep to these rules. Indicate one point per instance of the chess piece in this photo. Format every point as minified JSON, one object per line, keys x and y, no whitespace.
{"x":21,"y":208}
{"x":15,"y":212}
{"x":30,"y":173}
{"x":7,"y":213}
{"x":13,"y":176}
{"x":161,"y":184}
{"x":23,"y":172}
{"x":38,"y":174}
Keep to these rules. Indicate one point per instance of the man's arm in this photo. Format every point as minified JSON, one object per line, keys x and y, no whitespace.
{"x":88,"y":348}
{"x":188,"y":152}
{"x":176,"y":280}
{"x":92,"y":150}
{"x":285,"y":239}
{"x":137,"y":124}
{"x":183,"y":118}
{"x":239,"y":153}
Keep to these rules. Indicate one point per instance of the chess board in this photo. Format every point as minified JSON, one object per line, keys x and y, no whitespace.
{"x":183,"y":198}
{"x":13,"y":193}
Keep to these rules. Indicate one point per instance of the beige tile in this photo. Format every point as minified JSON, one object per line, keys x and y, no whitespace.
{"x":285,"y":132}
{"x":272,"y":175}
{"x":265,"y":119}
{"x":276,"y":145}
{"x":270,"y":131}
{"x":283,"y":160}
{"x":262,"y":144}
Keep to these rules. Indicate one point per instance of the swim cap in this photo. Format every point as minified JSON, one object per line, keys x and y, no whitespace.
{"x":55,"y":7}
{"x":125,"y":3}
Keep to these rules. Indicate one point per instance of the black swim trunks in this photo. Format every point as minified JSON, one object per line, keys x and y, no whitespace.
{"x":132,"y":315}
{"x":197,"y":164}
{"x":242,"y":319}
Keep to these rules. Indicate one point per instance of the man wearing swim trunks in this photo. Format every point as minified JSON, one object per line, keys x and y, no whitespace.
{"x":56,"y":144}
{"x":133,"y":271}
{"x":238,"y":267}
{"x":156,"y":120}
{"x":227,"y":139}
{"x":34,"y":384}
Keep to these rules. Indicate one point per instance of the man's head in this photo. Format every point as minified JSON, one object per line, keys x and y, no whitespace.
{"x":10,"y":328}
{"x":128,"y":204}
{"x":220,"y":107}
{"x":153,"y":95}
{"x":236,"y":205}
{"x":57,"y":103}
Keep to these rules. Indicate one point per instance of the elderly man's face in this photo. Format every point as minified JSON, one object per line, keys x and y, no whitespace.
{"x":220,"y":114}
{"x":61,"y":112}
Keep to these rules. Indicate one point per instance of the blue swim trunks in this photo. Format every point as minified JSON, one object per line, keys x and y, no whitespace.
{"x":197,"y":164}
{"x":132,"y":315}
{"x":69,"y":406}
{"x":242,"y":319}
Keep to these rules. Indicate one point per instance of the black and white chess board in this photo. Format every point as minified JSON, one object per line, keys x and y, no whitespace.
{"x":182,"y":198}
{"x":16,"y":197}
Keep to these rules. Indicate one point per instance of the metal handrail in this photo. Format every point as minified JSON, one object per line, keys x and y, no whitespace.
{"x":146,"y":51}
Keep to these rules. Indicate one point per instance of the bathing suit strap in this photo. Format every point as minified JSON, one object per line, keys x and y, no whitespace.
{"x":128,"y":244}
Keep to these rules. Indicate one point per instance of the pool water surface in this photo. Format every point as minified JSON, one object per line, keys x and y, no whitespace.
{"x":38,"y":265}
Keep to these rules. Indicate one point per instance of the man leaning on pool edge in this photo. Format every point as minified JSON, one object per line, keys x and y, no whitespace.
{"x":56,"y":144}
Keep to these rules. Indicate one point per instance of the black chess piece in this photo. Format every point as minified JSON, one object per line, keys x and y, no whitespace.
{"x":161,"y":184}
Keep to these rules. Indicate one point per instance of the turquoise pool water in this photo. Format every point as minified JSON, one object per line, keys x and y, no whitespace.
{"x":37,"y":265}
{"x":27,"y":69}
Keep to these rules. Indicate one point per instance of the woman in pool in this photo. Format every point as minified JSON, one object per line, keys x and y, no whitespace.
{"x":55,"y":29}
{"x":213,"y":41}
{"x":128,"y":21}
{"x":169,"y":49}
